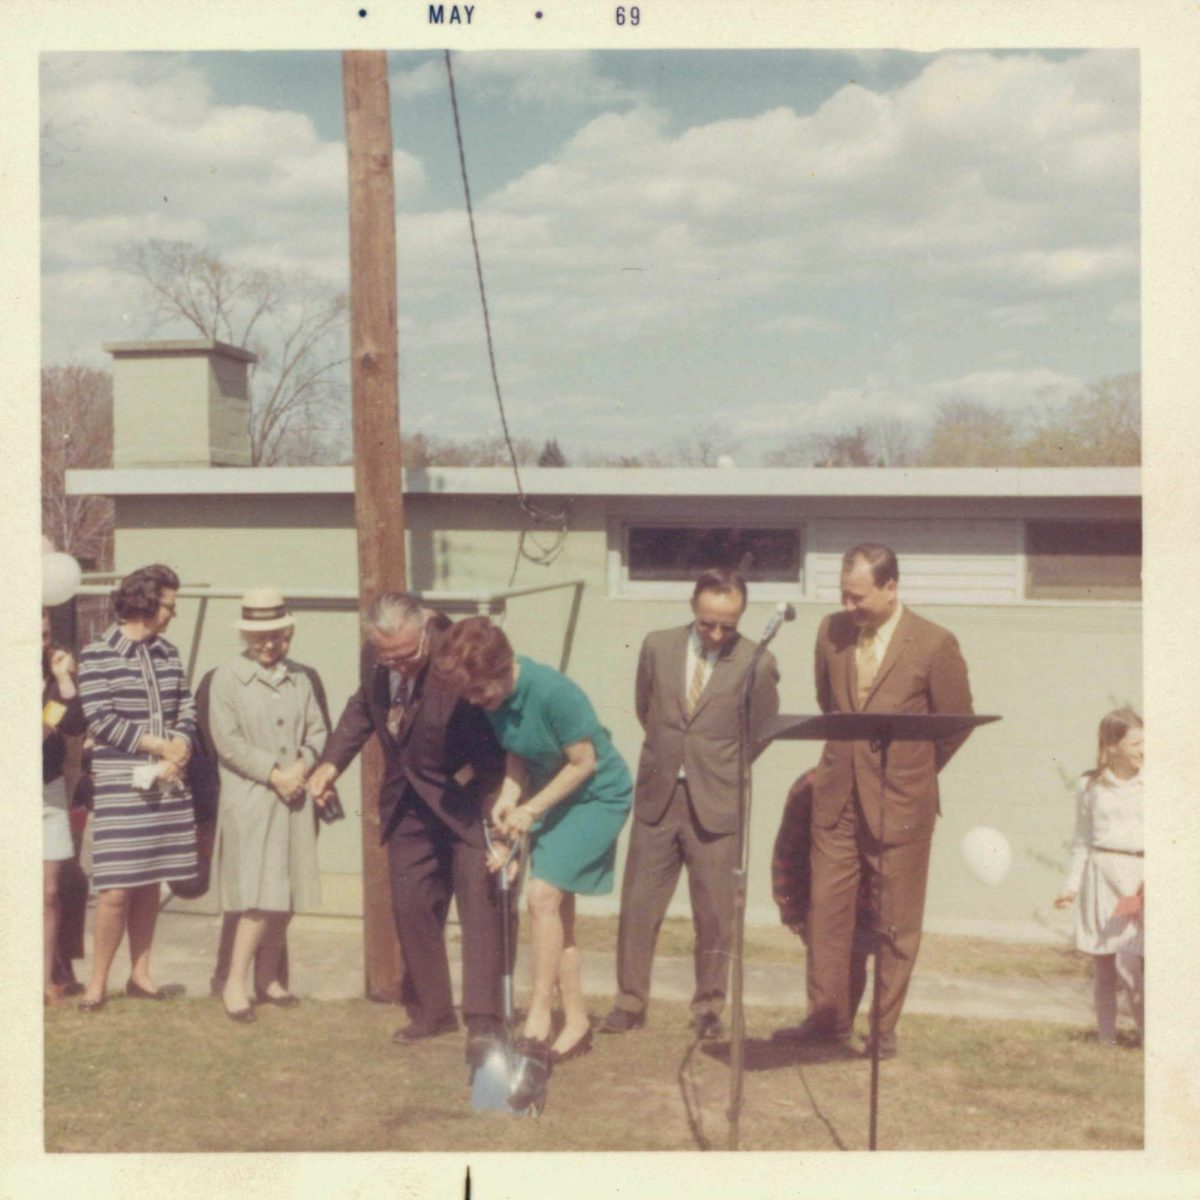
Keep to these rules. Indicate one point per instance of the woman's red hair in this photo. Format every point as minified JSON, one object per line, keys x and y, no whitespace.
{"x":473,"y":651}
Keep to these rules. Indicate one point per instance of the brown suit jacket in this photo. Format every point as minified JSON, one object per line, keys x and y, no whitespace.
{"x":922,"y":672}
{"x":705,"y":744}
{"x":439,"y":737}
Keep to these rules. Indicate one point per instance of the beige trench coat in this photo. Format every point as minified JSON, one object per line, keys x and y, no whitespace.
{"x":267,"y":851}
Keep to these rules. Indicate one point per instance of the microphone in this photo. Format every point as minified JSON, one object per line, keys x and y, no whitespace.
{"x":783,"y":612}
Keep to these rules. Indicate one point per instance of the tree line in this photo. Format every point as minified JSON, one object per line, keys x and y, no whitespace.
{"x":297,"y":326}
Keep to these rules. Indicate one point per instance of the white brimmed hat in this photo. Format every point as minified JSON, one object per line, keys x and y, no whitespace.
{"x":263,"y":610}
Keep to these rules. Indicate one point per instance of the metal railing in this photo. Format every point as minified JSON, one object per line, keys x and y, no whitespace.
{"x":483,"y":603}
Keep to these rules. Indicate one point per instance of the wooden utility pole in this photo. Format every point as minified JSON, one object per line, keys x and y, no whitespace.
{"x":378,"y":490}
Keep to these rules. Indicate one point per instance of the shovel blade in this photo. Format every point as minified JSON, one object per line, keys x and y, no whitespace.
{"x":490,"y":1084}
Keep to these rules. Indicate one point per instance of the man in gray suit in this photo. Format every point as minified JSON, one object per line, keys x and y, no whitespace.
{"x":689,"y":682}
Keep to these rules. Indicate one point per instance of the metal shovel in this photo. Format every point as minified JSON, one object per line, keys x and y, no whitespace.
{"x":493,"y":1081}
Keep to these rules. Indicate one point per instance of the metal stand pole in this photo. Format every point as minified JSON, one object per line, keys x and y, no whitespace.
{"x":737,"y":1035}
{"x":878,"y":935}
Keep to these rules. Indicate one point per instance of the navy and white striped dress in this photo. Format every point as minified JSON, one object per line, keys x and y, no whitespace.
{"x":130,"y":689}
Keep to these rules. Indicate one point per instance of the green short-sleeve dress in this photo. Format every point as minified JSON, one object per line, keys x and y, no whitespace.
{"x":574,"y":846}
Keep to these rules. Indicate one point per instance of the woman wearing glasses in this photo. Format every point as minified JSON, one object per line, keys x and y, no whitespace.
{"x":142,"y":718}
{"x":268,"y":731}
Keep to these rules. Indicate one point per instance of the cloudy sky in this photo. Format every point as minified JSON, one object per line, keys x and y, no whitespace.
{"x":779,"y":242}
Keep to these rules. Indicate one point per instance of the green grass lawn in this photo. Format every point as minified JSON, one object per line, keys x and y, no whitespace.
{"x":181,"y":1077}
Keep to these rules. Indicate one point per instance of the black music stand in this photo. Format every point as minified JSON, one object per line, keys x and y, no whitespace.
{"x":881,"y":729}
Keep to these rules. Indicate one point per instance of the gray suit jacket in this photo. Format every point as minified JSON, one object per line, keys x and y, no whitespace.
{"x":705,"y":744}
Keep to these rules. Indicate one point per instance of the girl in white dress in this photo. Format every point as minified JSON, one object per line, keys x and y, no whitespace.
{"x":1106,"y":871}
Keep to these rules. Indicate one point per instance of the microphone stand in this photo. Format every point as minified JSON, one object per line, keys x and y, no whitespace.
{"x":879,"y":935}
{"x":737,"y":1009}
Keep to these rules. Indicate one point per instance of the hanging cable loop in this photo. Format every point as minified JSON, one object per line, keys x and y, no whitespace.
{"x":544,"y":555}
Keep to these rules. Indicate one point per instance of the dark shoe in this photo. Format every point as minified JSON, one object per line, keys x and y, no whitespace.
{"x":287,"y":1000}
{"x":533,"y":1069}
{"x":243,"y":1016}
{"x":480,"y":1043}
{"x":167,"y":991}
{"x":621,"y":1020}
{"x":811,"y":1033}
{"x":92,"y":1006}
{"x":889,"y":1047}
{"x":582,"y":1046}
{"x":73,"y":988}
{"x":709,"y":1027}
{"x":55,"y":997}
{"x":416,"y":1032}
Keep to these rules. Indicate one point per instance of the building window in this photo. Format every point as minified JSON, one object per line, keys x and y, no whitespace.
{"x":675,"y":553}
{"x":1083,"y":560}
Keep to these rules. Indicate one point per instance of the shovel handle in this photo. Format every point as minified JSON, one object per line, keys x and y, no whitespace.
{"x":513,"y":851}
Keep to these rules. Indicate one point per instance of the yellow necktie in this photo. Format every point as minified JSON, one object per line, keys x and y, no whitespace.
{"x":696,"y":686}
{"x":868,"y":663}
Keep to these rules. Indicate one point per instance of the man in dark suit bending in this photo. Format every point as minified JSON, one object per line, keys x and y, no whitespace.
{"x":685,"y":804}
{"x":874,"y":656}
{"x":442,"y":763}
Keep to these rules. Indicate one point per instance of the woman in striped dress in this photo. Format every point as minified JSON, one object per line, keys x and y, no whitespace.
{"x":141,"y":715}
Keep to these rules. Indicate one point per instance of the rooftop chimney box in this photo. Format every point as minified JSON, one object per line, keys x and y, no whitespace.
{"x":180,"y":404}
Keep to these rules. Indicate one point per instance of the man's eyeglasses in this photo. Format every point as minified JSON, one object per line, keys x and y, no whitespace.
{"x":713,"y":626}
{"x":405,"y":660}
{"x":169,"y":607}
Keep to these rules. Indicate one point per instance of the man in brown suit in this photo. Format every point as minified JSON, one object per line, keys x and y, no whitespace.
{"x":874,"y":656}
{"x":441,"y":765}
{"x":689,"y":682}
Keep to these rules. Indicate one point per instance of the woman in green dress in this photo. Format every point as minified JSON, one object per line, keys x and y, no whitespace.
{"x":577,"y":792}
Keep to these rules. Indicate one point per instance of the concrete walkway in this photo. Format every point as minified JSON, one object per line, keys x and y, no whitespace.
{"x":326,"y":957}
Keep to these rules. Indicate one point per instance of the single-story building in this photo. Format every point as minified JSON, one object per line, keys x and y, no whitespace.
{"x":1037,"y":572}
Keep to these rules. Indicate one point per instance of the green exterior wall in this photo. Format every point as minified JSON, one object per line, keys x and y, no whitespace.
{"x":1050,"y":671}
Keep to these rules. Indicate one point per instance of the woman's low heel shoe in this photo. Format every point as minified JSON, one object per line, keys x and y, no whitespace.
{"x":92,"y":1006}
{"x":243,"y":1016}
{"x":531,"y":1071}
{"x":168,"y":991}
{"x":581,"y":1047}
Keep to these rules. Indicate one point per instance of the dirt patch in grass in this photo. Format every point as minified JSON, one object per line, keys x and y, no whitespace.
{"x":181,"y":1077}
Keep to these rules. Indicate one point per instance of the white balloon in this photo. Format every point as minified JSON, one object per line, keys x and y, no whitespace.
{"x":61,"y":577}
{"x":987,"y":854}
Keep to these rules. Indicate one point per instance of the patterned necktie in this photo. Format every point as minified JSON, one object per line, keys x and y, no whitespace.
{"x":397,"y":709}
{"x":697,"y":684}
{"x":868,"y":663}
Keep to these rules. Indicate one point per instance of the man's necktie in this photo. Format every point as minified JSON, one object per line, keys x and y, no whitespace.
{"x":868,"y":663}
{"x":697,"y":685}
{"x":397,"y":709}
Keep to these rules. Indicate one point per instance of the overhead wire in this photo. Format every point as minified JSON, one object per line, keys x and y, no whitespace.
{"x":543,"y":555}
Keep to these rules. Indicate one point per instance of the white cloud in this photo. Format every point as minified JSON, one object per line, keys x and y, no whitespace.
{"x":138,"y":147}
{"x":989,"y":194}
{"x":882,"y":396}
{"x":561,"y":77}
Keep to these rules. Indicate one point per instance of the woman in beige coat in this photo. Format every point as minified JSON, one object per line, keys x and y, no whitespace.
{"x":268,"y":731}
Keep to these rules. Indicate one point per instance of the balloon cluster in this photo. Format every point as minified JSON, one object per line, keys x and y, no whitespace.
{"x":61,"y":577}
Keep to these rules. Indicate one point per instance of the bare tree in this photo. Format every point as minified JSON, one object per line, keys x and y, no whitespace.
{"x":77,"y":431}
{"x":607,"y":458}
{"x":552,"y":455}
{"x":421,"y":450}
{"x":852,"y":448}
{"x":703,"y":445}
{"x":295,"y":324}
{"x":1102,"y":426}
{"x":967,"y":433}
{"x":894,"y":442}
{"x":800,"y":451}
